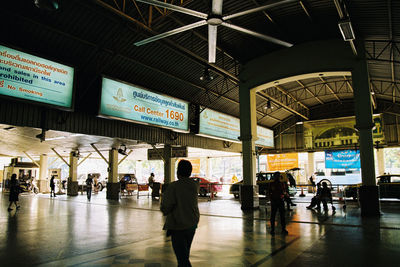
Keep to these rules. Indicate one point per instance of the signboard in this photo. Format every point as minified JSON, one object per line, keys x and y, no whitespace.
{"x":222,"y":126}
{"x":265,"y":137}
{"x":127,"y":102}
{"x":195,"y":166}
{"x":36,"y":79}
{"x":157,"y":154}
{"x":337,"y":132}
{"x":342,"y":159}
{"x":282,"y":162}
{"x":219,"y":125}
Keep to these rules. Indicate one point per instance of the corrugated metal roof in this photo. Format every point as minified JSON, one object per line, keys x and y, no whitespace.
{"x":96,"y":40}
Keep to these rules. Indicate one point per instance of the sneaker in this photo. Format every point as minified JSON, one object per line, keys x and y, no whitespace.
{"x":309,"y":207}
{"x":9,"y":209}
{"x":285,"y":232}
{"x":293,"y":204}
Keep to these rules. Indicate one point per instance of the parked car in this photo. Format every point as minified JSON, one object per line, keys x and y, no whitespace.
{"x":205,"y":186}
{"x":263,"y":181}
{"x":389,"y":187}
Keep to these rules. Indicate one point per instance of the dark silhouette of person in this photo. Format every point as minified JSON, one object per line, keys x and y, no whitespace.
{"x":277,"y":193}
{"x":14,"y":192}
{"x":52,"y":186}
{"x":326,"y":196}
{"x":89,"y":183}
{"x":179,"y":204}
{"x":316,"y":200}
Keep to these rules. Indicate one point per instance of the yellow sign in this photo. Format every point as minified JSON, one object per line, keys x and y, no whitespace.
{"x":195,"y":165}
{"x":282,"y":162}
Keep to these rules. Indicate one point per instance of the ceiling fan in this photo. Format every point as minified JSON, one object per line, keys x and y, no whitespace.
{"x":213,"y":20}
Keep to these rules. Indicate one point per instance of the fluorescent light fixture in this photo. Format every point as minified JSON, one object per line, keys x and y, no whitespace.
{"x":346,"y":30}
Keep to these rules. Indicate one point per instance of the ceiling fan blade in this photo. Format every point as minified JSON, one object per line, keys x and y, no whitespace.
{"x":257,"y":9}
{"x":212,"y":43}
{"x":216,"y":8}
{"x":256,"y":34}
{"x":174,"y":8}
{"x":172,"y":32}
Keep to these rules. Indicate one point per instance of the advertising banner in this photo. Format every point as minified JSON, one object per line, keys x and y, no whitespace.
{"x":217,"y":124}
{"x":195,"y":166}
{"x":265,"y":137}
{"x":282,"y":162}
{"x":337,"y":132}
{"x":36,"y":79}
{"x":127,"y":102}
{"x":222,"y":126}
{"x":342,"y":159}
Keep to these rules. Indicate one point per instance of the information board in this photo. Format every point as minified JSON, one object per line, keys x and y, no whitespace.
{"x":217,"y":124}
{"x":342,"y":159}
{"x":125,"y":101}
{"x":222,"y":126}
{"x":35,"y":79}
{"x":265,"y":137}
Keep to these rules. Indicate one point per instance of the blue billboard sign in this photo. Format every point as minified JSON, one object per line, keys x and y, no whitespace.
{"x":124,"y":101}
{"x":342,"y":159}
{"x":36,"y":79}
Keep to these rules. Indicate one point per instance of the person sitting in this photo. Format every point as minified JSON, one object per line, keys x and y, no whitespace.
{"x":326,"y":196}
{"x":315,"y":201}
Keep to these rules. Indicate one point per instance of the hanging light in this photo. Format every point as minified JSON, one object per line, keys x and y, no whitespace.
{"x":206,"y":75}
{"x":49,"y":5}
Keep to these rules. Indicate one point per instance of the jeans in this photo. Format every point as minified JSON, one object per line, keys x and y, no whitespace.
{"x":277,"y":204}
{"x":89,"y":192}
{"x":181,"y":243}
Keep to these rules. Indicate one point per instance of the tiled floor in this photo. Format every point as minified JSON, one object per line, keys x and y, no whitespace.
{"x":69,"y":231}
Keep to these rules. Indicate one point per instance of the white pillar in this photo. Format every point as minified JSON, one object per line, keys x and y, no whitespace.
{"x":381,"y":161}
{"x":311,"y":164}
{"x":208,"y":169}
{"x":42,"y":183}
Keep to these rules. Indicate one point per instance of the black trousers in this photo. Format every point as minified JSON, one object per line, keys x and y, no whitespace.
{"x":277,"y":204}
{"x":181,"y":243}
{"x":89,"y":192}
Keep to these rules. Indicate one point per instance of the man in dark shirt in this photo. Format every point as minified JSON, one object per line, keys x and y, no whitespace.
{"x":277,"y":194}
{"x":179,"y":204}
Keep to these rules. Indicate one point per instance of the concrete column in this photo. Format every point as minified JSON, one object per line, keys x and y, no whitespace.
{"x":72,"y":189}
{"x":169,"y":165}
{"x":310,"y":164}
{"x":208,"y":169}
{"x":43,"y":182}
{"x":248,"y":134}
{"x":113,"y":186}
{"x":368,"y":192}
{"x":381,"y":161}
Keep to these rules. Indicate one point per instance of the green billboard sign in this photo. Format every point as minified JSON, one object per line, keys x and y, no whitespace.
{"x":36,"y":79}
{"x":128,"y":102}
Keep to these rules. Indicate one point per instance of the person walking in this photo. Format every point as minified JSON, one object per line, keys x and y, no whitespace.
{"x":14,"y":192}
{"x":277,"y":194}
{"x":52,"y":187}
{"x":179,"y":204}
{"x":89,"y":183}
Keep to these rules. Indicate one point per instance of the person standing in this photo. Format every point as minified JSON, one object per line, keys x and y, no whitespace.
{"x":14,"y":192}
{"x":52,"y":187}
{"x":151,"y":180}
{"x":179,"y":204}
{"x":277,"y":194}
{"x":89,"y":183}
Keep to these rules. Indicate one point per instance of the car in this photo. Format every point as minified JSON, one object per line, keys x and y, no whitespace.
{"x":389,"y":187}
{"x":263,"y":181}
{"x":205,"y":186}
